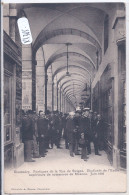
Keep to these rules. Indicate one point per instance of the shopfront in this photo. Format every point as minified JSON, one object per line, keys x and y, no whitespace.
{"x":13,"y":147}
{"x":122,"y":101}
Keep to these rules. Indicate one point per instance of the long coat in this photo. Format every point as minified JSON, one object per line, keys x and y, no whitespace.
{"x":70,"y":126}
{"x":27,"y":128}
{"x":85,"y":124}
{"x":64,"y":120}
{"x":99,"y":129}
{"x":42,"y":125}
{"x":77,"y":122}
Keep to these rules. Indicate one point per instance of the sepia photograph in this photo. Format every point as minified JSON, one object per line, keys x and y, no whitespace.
{"x":64,"y":97}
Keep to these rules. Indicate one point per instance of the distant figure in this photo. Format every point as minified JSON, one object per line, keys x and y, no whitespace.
{"x":95,"y":116}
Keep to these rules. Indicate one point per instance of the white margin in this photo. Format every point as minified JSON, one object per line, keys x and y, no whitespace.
{"x":64,"y":1}
{"x":2,"y":105}
{"x":127,"y":78}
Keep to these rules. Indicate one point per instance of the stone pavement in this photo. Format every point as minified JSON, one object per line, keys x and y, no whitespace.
{"x":58,"y":172}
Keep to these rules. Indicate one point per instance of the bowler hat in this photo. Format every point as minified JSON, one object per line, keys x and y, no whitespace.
{"x":86,"y":109}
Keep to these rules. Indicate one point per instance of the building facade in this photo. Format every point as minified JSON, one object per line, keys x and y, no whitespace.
{"x":13,"y":146}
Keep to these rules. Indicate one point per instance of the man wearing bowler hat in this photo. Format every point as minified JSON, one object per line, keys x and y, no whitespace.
{"x":77,"y":130}
{"x":85,"y":127}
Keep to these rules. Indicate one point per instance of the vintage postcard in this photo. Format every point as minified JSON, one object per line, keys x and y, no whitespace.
{"x":64,"y":97}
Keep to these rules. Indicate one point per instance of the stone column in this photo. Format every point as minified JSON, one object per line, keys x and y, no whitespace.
{"x":12,"y":21}
{"x":119,"y":34}
{"x":6,"y":13}
{"x":49,"y":88}
{"x":46,"y":79}
{"x":57,"y":98}
{"x":52,"y":96}
{"x":62,"y":106}
{"x":26,"y":77}
{"x":60,"y":99}
{"x":40,"y":81}
{"x":67,"y":105}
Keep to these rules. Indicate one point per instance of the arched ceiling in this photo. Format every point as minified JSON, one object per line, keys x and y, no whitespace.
{"x":70,"y":54}
{"x":74,"y":96}
{"x":62,"y":64}
{"x":75,"y":82}
{"x":72,"y":81}
{"x":73,"y":77}
{"x":73,"y":74}
{"x":60,"y":69}
{"x":81,"y":25}
{"x":77,"y":14}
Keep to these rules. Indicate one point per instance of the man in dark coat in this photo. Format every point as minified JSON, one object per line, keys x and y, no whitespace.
{"x":91,"y":133}
{"x":35,"y":136}
{"x":27,"y":135}
{"x":42,"y":125}
{"x":77,"y":131}
{"x":65,"y":134}
{"x":52,"y":130}
{"x":57,"y":130}
{"x":98,"y":127}
{"x":70,"y":128}
{"x":85,"y":127}
{"x":47,"y":139}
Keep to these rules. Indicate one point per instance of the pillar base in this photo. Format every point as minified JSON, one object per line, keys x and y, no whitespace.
{"x":116,"y":157}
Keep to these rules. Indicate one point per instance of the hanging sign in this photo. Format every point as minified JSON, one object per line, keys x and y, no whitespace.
{"x":24,"y":30}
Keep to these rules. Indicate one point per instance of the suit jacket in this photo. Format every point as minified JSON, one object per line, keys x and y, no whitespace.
{"x":27,"y":128}
{"x":42,"y":125}
{"x":77,"y":122}
{"x":99,"y":128}
{"x":85,"y":124}
{"x":70,"y":127}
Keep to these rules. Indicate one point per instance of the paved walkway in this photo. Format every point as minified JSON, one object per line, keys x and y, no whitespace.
{"x":58,"y":172}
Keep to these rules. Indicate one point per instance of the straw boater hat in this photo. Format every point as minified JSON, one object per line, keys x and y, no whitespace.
{"x":78,"y":110}
{"x":86,"y":109}
{"x":71,"y":114}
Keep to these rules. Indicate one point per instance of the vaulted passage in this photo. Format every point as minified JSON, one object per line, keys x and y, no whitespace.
{"x":75,"y":64}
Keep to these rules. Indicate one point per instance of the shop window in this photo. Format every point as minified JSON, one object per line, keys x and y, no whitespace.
{"x":7,"y":109}
{"x":106,"y":33}
{"x":124,"y":115}
{"x":107,"y":111}
{"x":122,"y":90}
{"x":122,"y":102}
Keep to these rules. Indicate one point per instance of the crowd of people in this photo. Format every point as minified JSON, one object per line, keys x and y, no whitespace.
{"x":40,"y":132}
